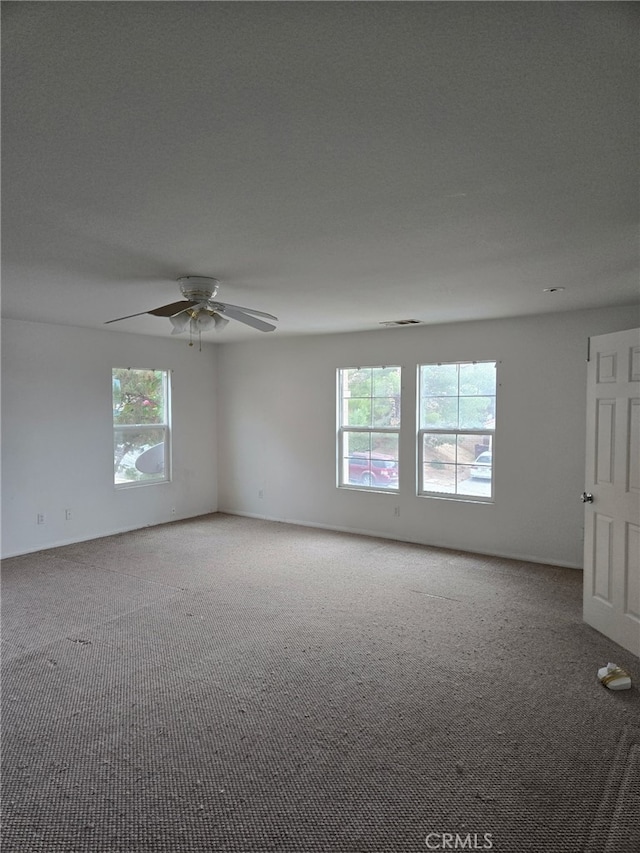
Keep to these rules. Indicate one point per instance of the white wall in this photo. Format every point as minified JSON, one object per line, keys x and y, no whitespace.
{"x":57,"y":434}
{"x":271,"y":419}
{"x":276,"y":432}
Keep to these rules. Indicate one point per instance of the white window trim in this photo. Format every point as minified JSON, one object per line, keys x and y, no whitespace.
{"x":342,"y":429}
{"x":421,"y":491}
{"x":166,"y":430}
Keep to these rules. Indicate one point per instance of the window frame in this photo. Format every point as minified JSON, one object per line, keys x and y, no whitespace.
{"x":344,"y":429}
{"x":457,"y":432}
{"x":164,"y":427}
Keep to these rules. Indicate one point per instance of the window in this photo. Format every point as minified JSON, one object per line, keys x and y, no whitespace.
{"x":140,"y":426}
{"x":368,"y":427}
{"x":457,"y":417}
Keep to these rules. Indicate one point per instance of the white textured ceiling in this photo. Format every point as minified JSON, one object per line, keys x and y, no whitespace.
{"x":336,"y":164}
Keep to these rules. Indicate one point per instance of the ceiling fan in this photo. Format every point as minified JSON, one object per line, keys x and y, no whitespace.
{"x":199,"y":311}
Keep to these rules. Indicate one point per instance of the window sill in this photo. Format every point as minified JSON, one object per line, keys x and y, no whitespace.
{"x":136,"y":485}
{"x":378,"y":490}
{"x":465,"y":499}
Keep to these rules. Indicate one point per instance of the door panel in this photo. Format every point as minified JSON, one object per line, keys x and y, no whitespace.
{"x":633,"y":455}
{"x":607,"y":367}
{"x":604,"y":442}
{"x":632,"y":575}
{"x":602,"y":554}
{"x":612,"y":477}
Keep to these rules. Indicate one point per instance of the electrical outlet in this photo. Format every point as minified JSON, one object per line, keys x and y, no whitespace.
{"x":67,"y":515}
{"x":173,"y":510}
{"x":396,"y":511}
{"x":40,"y":518}
{"x":261,"y":493}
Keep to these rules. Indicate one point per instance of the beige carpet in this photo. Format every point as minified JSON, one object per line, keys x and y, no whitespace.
{"x":227,"y":684}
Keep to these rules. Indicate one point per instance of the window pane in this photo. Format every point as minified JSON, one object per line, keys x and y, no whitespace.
{"x":385,"y":412}
{"x":138,"y":456}
{"x":370,"y":396}
{"x":477,"y":412}
{"x":475,"y":468}
{"x":470,"y":484}
{"x":478,"y":379}
{"x":457,"y":464}
{"x":356,"y":442}
{"x":386,"y":382}
{"x":357,"y":412}
{"x":438,"y":458}
{"x":370,"y":459}
{"x":356,"y":382}
{"x":384,"y":444}
{"x":138,"y":396}
{"x":438,"y":448}
{"x":441,"y":479}
{"x":439,"y":413}
{"x":470,"y":447}
{"x":439,"y":380}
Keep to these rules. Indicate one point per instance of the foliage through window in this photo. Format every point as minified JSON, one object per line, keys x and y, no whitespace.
{"x":140,"y":426}
{"x":457,"y":419}
{"x":368,"y":427}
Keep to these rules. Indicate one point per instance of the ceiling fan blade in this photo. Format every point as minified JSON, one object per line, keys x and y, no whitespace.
{"x":163,"y":311}
{"x":173,"y":308}
{"x":235,"y":314}
{"x":249,"y":311}
{"x":117,"y":320}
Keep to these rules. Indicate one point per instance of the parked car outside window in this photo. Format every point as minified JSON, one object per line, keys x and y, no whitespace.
{"x":482,"y":466}
{"x":377,"y":470}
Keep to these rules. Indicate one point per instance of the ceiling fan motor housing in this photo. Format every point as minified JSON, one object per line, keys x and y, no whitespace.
{"x":198,"y":288}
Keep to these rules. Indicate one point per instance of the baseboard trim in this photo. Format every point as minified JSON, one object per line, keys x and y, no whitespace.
{"x":376,"y":534}
{"x":115,"y":532}
{"x":525,"y":558}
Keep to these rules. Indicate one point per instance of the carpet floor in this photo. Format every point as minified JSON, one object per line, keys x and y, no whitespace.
{"x":236,"y":685}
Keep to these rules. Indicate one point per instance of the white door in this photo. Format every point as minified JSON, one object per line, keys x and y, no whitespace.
{"x":612,"y":488}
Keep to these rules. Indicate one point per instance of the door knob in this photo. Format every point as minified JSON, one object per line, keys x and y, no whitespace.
{"x":586,"y":498}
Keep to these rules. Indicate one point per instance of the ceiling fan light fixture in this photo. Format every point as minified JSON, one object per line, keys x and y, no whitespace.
{"x":179,"y":322}
{"x":197,"y":320}
{"x":204,"y":320}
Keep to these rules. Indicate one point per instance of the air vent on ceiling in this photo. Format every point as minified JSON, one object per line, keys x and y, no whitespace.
{"x":401,"y":323}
